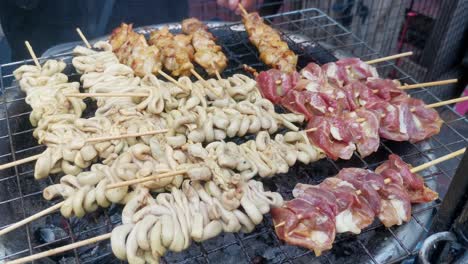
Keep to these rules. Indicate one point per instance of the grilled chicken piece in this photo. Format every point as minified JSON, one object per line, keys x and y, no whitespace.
{"x":273,"y":50}
{"x":208,"y":54}
{"x":176,"y":51}
{"x":132,"y":49}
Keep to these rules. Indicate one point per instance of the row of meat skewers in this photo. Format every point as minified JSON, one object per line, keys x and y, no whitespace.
{"x":175,"y":52}
{"x":155,"y":222}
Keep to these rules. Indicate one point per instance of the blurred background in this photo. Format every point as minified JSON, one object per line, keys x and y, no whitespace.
{"x":435,"y":30}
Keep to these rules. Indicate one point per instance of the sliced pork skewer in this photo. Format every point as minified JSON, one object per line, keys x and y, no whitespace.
{"x":349,"y":202}
{"x":208,"y":54}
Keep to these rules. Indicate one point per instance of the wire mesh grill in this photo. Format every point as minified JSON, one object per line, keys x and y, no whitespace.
{"x":314,"y":36}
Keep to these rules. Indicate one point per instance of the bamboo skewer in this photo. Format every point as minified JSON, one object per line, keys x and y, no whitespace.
{"x":447,"y":102}
{"x":198,"y":76}
{"x":427,"y":84}
{"x":108,"y":235}
{"x":413,"y":170}
{"x":61,"y":249}
{"x":89,"y":140}
{"x":174,"y":81}
{"x":33,"y":54}
{"x":438,"y":160}
{"x":83,"y":38}
{"x":31,"y":218}
{"x":396,"y":56}
{"x":242,"y":9}
{"x":107,"y":95}
{"x":110,"y":186}
{"x":19,"y":162}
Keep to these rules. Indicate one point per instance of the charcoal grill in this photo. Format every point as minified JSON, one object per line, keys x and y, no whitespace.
{"x":314,"y":36}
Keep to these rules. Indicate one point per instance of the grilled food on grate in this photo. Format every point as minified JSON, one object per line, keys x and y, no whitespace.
{"x":132,"y":49}
{"x":349,"y":202}
{"x":349,"y":107}
{"x":177,"y":51}
{"x":208,"y":54}
{"x":274,"y":52}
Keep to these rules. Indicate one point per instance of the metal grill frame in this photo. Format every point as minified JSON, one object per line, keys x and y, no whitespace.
{"x":376,"y":244}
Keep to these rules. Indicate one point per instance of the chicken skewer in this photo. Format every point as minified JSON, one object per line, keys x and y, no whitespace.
{"x":274,"y":52}
{"x":208,"y":54}
{"x":108,"y":187}
{"x":108,"y":235}
{"x":177,"y":51}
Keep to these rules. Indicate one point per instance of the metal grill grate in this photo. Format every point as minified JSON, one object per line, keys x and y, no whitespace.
{"x":314,"y":36}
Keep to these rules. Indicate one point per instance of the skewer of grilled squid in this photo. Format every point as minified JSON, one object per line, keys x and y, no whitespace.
{"x":172,"y":220}
{"x":121,"y":234}
{"x":109,"y":187}
{"x":89,"y":140}
{"x":263,"y":156}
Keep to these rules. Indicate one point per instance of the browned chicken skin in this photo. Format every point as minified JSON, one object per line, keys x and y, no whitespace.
{"x":207,"y":53}
{"x":273,"y":50}
{"x":176,"y":51}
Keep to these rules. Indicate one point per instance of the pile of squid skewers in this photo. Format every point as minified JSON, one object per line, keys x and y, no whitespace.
{"x":348,"y":202}
{"x":173,"y":52}
{"x":348,"y":107}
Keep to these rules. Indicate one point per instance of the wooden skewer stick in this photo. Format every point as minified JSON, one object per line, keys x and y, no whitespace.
{"x":58,"y":250}
{"x":438,"y":160}
{"x":396,"y":56}
{"x":208,"y":85}
{"x":242,"y":9}
{"x":19,"y":162}
{"x":31,"y":218}
{"x":174,"y":81}
{"x":32,"y":53}
{"x":89,"y":140}
{"x":414,"y":170}
{"x":83,"y":38}
{"x":451,"y":101}
{"x":216,"y":71}
{"x":110,"y":186}
{"x":82,"y":95}
{"x":141,"y":134}
{"x":427,"y":84}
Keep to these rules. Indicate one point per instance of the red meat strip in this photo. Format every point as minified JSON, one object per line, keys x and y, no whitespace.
{"x":274,"y":84}
{"x":332,"y":135}
{"x":366,"y":133}
{"x":300,"y":224}
{"x":400,"y":173}
{"x":386,"y":89}
{"x":421,"y":122}
{"x":367,"y":182}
